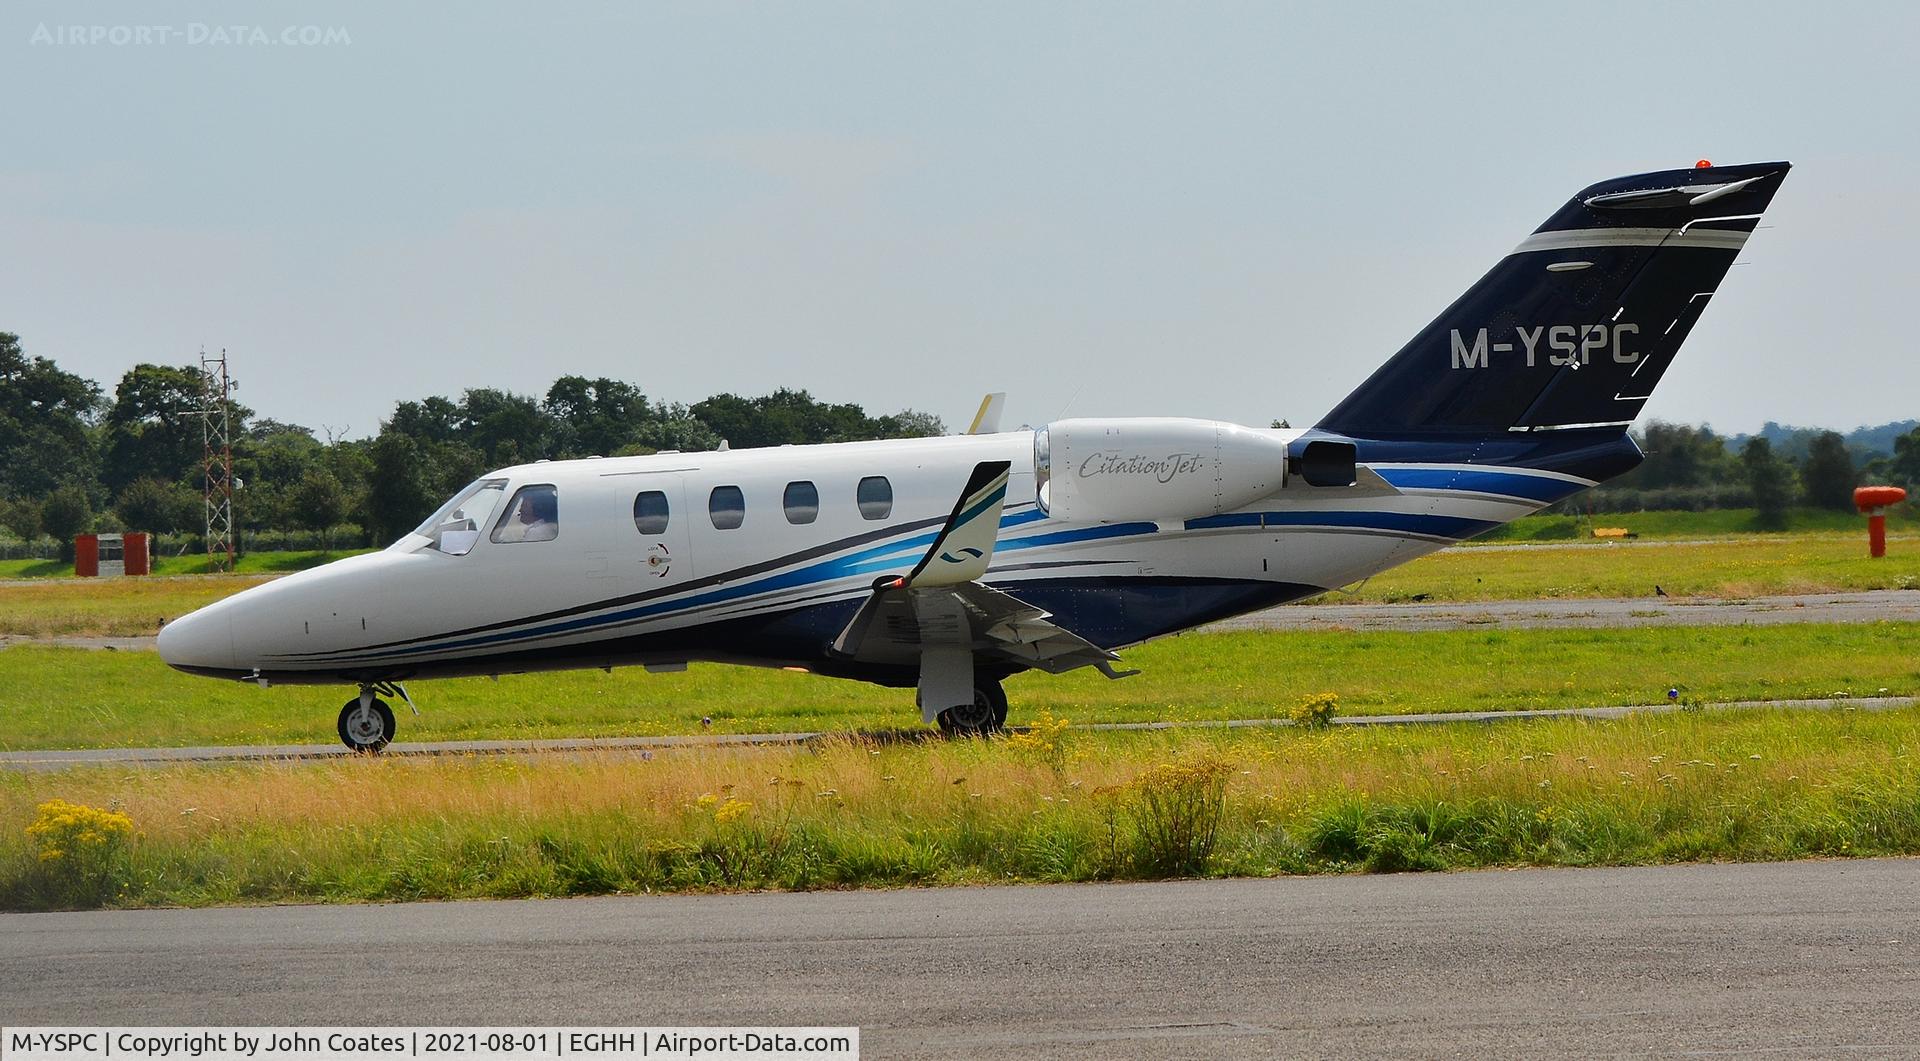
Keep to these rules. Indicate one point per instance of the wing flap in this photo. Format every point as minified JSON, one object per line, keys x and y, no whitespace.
{"x":897,"y":624}
{"x":942,"y":607}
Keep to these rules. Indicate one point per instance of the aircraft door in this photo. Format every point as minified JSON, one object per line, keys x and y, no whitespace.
{"x":660,"y":553}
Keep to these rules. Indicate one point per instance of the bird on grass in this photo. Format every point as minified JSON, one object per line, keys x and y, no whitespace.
{"x":1658,"y":592}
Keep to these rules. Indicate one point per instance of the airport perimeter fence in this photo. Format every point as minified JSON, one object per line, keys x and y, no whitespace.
{"x":35,"y":549}
{"x":346,"y":536}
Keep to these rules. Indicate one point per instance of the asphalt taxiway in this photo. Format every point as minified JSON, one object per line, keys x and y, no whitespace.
{"x":1867,"y":606}
{"x":64,"y":758}
{"x":1898,"y":605}
{"x":1803,"y":959}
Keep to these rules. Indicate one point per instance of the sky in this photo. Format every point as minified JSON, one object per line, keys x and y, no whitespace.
{"x":1233,"y":211}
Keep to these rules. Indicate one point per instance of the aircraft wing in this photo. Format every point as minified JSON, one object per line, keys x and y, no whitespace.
{"x":942,"y":608}
{"x":896,"y":624}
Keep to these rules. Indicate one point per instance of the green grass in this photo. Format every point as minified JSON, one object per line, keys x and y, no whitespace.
{"x":64,"y":697}
{"x":36,"y":569}
{"x":1749,"y":566}
{"x":41,"y":598}
{"x":1717,"y":523}
{"x":1690,"y":786}
{"x":1740,"y":567}
{"x":121,"y":607}
{"x":262,"y":563}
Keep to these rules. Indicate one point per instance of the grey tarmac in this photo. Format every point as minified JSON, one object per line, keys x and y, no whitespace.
{"x":52,"y":759}
{"x":1893,"y":605}
{"x":1867,"y":606}
{"x":1806,"y":959}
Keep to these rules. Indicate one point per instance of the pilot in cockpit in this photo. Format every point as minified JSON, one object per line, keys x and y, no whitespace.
{"x":534,"y":517}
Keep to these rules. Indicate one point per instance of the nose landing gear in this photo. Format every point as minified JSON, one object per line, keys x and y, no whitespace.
{"x":366,"y":722}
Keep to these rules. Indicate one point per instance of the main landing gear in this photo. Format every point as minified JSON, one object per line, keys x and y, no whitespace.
{"x":987,"y":714}
{"x":366,"y":722}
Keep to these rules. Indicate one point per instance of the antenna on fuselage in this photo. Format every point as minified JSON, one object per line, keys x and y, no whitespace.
{"x":1069,"y":406}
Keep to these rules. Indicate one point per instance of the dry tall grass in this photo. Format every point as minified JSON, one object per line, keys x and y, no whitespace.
{"x":850,"y":813}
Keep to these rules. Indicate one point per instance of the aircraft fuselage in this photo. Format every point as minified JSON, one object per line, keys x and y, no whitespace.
{"x":773,"y":590}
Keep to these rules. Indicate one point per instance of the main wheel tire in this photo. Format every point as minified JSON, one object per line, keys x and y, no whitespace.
{"x":986,"y":715}
{"x":366,"y":729}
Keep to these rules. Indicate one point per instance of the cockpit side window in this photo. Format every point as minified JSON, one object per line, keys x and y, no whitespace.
{"x":532,"y":516}
{"x":456,"y":527}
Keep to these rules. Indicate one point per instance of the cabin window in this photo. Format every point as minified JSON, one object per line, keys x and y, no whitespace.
{"x":532,"y":516}
{"x":727,"y":506}
{"x":650,"y":512}
{"x":802,"y":502}
{"x":875,"y":497}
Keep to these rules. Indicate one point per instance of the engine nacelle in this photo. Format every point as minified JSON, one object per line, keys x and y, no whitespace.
{"x":1141,"y":468}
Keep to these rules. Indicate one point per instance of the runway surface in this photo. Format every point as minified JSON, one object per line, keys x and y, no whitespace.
{"x":1894,"y":605}
{"x":1897,"y":605}
{"x":61,"y":759}
{"x":1804,"y":959}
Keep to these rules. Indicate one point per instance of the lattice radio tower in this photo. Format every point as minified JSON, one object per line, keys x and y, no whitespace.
{"x":217,"y":434}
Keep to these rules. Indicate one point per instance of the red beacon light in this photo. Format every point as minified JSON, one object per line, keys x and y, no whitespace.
{"x":1703,"y":164}
{"x":1872,"y":501}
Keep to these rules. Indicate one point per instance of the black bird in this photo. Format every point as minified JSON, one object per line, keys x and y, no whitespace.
{"x":1658,"y":592}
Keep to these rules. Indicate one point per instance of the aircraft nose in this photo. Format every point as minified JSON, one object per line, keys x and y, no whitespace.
{"x":199,"y":641}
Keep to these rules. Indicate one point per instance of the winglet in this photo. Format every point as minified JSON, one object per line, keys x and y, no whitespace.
{"x":964,"y":547}
{"x":987,"y":420}
{"x":959,"y":554}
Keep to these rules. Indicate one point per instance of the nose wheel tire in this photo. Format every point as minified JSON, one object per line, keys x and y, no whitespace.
{"x":367,"y":728}
{"x":986,"y":715}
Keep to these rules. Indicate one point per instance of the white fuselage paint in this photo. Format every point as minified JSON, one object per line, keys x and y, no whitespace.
{"x":330,"y":623}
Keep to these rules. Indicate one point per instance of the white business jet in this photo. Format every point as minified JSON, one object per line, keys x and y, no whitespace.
{"x":948,"y":564}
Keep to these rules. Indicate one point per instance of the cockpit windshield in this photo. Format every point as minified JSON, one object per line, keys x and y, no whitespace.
{"x":456,"y":527}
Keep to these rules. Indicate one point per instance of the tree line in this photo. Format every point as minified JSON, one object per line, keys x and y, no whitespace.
{"x":1692,"y":468}
{"x":75,"y":458}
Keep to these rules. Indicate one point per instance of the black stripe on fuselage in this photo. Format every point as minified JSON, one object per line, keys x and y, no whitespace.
{"x":1126,"y":610}
{"x":702,"y":582}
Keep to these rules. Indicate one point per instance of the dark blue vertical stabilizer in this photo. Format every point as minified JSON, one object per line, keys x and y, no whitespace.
{"x":1574,"y":327}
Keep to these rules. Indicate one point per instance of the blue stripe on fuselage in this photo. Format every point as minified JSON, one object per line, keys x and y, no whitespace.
{"x":1541,"y":488}
{"x":870,"y":561}
{"x":881,"y":558}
